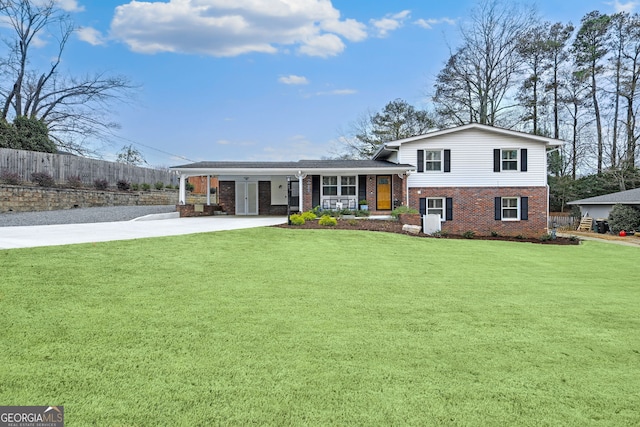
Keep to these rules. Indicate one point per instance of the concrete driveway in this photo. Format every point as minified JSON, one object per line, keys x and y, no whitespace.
{"x":151,"y":226}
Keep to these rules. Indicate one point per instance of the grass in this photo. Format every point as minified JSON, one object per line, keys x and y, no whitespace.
{"x":322,"y":327}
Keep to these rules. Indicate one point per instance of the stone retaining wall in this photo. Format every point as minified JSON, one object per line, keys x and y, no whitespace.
{"x":15,"y":198}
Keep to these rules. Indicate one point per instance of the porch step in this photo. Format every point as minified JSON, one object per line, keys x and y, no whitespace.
{"x":586,"y":224}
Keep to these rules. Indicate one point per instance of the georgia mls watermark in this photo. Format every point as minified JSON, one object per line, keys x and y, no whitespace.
{"x":31,"y":416}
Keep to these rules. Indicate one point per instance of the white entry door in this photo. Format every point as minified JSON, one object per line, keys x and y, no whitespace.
{"x":246,"y":198}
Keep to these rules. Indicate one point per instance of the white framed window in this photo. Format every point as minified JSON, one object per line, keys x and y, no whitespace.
{"x":347,"y":185}
{"x":509,"y":159}
{"x":433,"y":160}
{"x":436,"y":206}
{"x":339,"y":186}
{"x":329,"y":185}
{"x":510,"y":208}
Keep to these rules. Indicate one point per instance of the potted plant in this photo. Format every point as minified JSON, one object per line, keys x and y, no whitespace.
{"x":364,"y":205}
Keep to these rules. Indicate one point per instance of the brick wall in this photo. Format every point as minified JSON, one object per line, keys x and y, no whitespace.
{"x":14,"y":198}
{"x":227,"y":196}
{"x":473,"y":210}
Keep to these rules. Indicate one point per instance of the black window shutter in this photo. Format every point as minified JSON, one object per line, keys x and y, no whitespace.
{"x":496,"y":160}
{"x":447,"y":160}
{"x":523,"y":160}
{"x":423,"y":206}
{"x":420,"y":160}
{"x":524,"y":208}
{"x":449,"y":209}
{"x":498,"y":208}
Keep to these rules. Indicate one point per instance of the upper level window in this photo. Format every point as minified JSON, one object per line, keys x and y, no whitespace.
{"x":433,"y":160}
{"x":509,"y":160}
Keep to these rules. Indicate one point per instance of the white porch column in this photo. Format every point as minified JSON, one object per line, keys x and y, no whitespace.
{"x":300,"y":177}
{"x":208,"y":190}
{"x":182,"y":193}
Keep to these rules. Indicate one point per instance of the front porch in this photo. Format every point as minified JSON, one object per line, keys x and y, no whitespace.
{"x":275,"y":188}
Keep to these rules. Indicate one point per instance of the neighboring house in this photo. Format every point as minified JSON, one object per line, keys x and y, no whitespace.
{"x":599,"y":207}
{"x":476,"y":177}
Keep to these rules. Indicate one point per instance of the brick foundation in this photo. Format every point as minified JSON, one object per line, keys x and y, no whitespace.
{"x":473,"y":210}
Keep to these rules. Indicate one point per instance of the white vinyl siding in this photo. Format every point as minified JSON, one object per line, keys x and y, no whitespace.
{"x":472,"y":160}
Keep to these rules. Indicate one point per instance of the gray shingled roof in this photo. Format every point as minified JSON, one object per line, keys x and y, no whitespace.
{"x":302,"y":164}
{"x":629,"y":197}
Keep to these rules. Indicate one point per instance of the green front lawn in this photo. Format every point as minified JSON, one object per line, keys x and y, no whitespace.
{"x":322,"y":327}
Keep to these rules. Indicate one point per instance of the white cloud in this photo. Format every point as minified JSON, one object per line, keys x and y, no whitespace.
{"x":70,"y":5}
{"x":429,"y":23}
{"x":230,"y":28}
{"x":293,"y":80}
{"x":390,"y":23}
{"x":628,"y":7}
{"x":91,"y":36}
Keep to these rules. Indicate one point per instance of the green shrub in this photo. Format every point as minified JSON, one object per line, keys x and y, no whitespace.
{"x":159,"y":185}
{"x":123,"y":185}
{"x":11,"y":178}
{"x":101,"y":184}
{"x":624,"y":217}
{"x":403,"y":210}
{"x":345,"y":212}
{"x":296,"y":219}
{"x":469,"y":234}
{"x":145,"y":187}
{"x":135,"y":187}
{"x":169,"y":187}
{"x":328,"y":221}
{"x":43,"y":179}
{"x":189,"y":186}
{"x":308,"y":216}
{"x":352,"y":222}
{"x":494,"y":234}
{"x":317,"y":211}
{"x":74,"y":181}
{"x":360,"y":212}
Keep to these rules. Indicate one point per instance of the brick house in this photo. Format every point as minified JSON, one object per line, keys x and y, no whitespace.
{"x":475,"y":177}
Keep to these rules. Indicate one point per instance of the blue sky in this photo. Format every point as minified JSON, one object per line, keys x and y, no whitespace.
{"x":268,"y":79}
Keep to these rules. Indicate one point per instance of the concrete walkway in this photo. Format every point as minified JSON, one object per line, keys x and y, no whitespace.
{"x":149,"y":226}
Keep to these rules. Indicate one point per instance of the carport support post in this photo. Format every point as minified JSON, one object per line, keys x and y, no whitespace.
{"x":208,"y":190}
{"x":182,"y":194}
{"x":288,"y":200}
{"x":300,"y":177}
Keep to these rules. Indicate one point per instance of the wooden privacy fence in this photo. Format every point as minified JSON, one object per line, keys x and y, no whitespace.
{"x":63,"y":166}
{"x":563,"y":221}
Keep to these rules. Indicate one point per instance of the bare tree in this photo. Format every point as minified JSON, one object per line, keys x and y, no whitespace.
{"x":73,"y":108}
{"x":589,"y":48}
{"x":630,"y":85}
{"x":475,"y":84}
{"x":558,"y":35}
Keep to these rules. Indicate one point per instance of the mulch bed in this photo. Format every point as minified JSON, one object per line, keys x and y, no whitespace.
{"x":396,"y":227}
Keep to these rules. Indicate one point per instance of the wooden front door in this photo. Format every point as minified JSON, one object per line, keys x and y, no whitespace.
{"x":383,"y":191}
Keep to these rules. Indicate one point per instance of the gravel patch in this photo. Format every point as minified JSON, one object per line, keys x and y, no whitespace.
{"x":81,"y":215}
